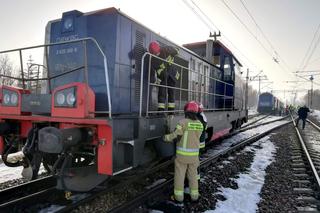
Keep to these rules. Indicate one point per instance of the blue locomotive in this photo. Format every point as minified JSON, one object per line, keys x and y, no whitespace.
{"x":269,"y":104}
{"x":94,"y":113}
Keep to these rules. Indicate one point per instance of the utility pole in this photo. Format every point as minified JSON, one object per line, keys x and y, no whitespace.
{"x":311,"y":92}
{"x":215,"y":35}
{"x":260,"y":78}
{"x":247,"y":93}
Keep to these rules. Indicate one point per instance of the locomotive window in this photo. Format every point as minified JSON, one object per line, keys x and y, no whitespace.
{"x":227,"y":67}
{"x":228,"y":75}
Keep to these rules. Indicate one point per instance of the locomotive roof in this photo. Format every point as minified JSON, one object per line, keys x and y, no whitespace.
{"x":113,"y":10}
{"x":215,"y":42}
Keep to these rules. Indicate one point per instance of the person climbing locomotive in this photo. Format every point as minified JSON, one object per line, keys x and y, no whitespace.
{"x":166,"y":73}
{"x":188,"y":132}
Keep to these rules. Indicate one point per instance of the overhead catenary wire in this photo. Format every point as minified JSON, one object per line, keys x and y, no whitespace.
{"x":252,"y":34}
{"x":312,"y":52}
{"x":309,"y":48}
{"x":263,"y":34}
{"x":205,"y":19}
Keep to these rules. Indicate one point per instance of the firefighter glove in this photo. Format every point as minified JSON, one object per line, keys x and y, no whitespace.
{"x":157,"y":81}
{"x":166,"y":138}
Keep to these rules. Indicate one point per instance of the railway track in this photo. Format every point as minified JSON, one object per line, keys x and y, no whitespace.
{"x":306,"y":166}
{"x":166,"y":187}
{"x":30,"y":199}
{"x":42,"y":195}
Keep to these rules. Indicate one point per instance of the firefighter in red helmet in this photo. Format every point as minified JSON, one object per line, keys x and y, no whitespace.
{"x":154,"y":48}
{"x":166,"y":73}
{"x":188,"y":132}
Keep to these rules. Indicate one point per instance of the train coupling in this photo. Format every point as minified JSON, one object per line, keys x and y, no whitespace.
{"x":54,"y":140}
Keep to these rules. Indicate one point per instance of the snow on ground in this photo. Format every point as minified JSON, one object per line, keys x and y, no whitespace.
{"x":249,"y":183}
{"x":252,"y":111}
{"x":10,"y":173}
{"x":316,"y":114}
{"x":242,"y":136}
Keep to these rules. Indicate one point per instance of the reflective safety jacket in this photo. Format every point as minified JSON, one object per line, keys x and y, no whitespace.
{"x":188,"y":133}
{"x":160,"y":66}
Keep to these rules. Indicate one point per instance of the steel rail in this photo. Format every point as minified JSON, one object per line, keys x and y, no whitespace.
{"x":155,"y":191}
{"x":306,"y":152}
{"x":114,"y":184}
{"x":10,"y":197}
{"x":248,"y":124}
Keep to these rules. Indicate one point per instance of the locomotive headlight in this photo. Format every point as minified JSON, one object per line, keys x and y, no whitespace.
{"x":71,"y":99}
{"x":65,"y":97}
{"x":10,"y":98}
{"x":60,"y":98}
{"x":14,"y":98}
{"x":6,"y":99}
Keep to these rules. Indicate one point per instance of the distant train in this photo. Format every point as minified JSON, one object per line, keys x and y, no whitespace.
{"x":95,"y":114}
{"x":269,"y":104}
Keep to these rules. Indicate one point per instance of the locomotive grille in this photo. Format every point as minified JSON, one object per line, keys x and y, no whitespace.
{"x":139,"y":51}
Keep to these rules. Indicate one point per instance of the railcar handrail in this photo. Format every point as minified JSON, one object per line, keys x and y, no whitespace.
{"x":183,"y":68}
{"x":105,"y":64}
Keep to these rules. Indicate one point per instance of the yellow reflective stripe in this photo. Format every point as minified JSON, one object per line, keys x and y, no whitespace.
{"x":185,"y":139}
{"x":178,"y":126}
{"x":184,"y":153}
{"x":177,"y":75}
{"x":178,"y":192}
{"x":171,"y":105}
{"x":195,"y":126}
{"x":170,"y":59}
{"x":194,"y":191}
{"x":161,"y":105}
{"x":202,"y":145}
{"x":161,"y":68}
{"x":198,"y":176}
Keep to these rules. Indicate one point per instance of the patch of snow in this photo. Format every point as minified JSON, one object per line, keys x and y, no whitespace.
{"x":316,"y":114}
{"x":249,"y":184}
{"x":10,"y":173}
{"x":225,"y":162}
{"x":230,"y":158}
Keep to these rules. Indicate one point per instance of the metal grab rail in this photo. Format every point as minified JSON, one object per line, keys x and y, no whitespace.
{"x":187,"y":69}
{"x":84,"y":40}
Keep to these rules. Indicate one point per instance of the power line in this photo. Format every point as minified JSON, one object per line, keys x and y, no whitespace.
{"x":208,"y":20}
{"x":263,"y":34}
{"x":312,"y":52}
{"x":309,"y":48}
{"x":247,"y":28}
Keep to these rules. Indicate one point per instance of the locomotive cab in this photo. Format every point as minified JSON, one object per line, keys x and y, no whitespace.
{"x":220,"y":56}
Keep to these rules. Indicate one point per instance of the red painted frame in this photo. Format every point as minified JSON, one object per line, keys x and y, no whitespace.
{"x":12,"y":110}
{"x":81,"y":115}
{"x":85,"y":104}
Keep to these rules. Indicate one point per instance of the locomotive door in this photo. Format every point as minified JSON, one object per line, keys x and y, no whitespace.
{"x":195,"y":85}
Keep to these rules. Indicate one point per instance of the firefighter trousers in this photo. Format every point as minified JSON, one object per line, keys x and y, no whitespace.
{"x":162,"y":95}
{"x":182,"y":168}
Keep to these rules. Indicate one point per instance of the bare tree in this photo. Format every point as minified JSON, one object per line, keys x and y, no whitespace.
{"x":6,"y":69}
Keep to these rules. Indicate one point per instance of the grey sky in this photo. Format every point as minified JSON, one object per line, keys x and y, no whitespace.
{"x":289,"y":25}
